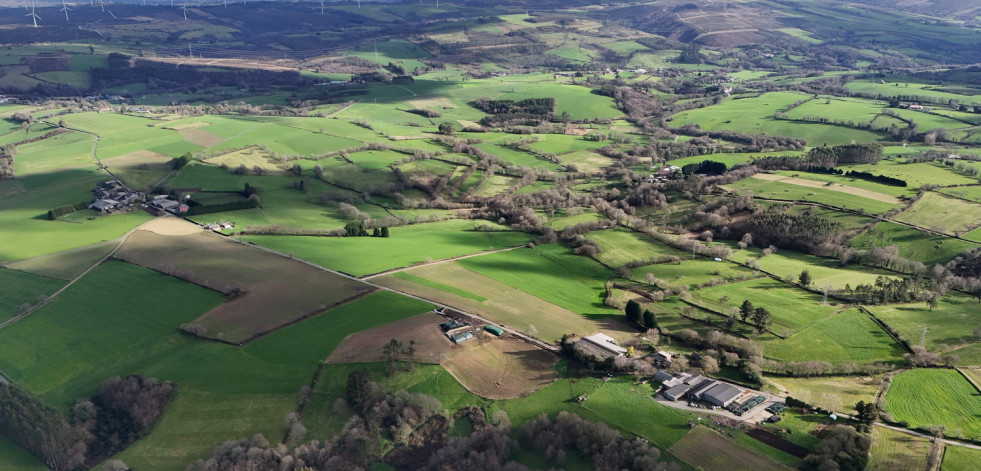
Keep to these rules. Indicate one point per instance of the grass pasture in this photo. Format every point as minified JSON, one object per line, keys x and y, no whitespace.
{"x":68,"y":150}
{"x":366,"y":346}
{"x":931,"y":397}
{"x":831,"y":186}
{"x":408,"y":245}
{"x":824,"y":271}
{"x":65,"y":265}
{"x":793,"y":309}
{"x":250,"y":158}
{"x":793,"y":192}
{"x":139,"y":169}
{"x":709,"y":450}
{"x":944,"y":328}
{"x":938,"y":212}
{"x":848,"y":336}
{"x":897,"y":451}
{"x":913,"y":244}
{"x":501,"y":368}
{"x":621,"y":246}
{"x":15,"y":457}
{"x":838,"y":393}
{"x":277,"y":291}
{"x":958,"y":458}
{"x":21,"y":288}
{"x":692,"y":272}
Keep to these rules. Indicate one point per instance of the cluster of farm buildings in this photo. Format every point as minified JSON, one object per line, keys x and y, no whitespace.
{"x":680,"y":386}
{"x":113,"y":196}
{"x":458,"y":329}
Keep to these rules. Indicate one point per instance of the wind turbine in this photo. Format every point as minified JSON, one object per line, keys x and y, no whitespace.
{"x":64,"y":8}
{"x":33,"y":15}
{"x":321,"y":7}
{"x":184,"y":9}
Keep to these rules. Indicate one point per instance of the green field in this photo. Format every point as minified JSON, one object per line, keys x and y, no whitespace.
{"x":21,"y":288}
{"x":756,"y":116}
{"x":913,"y":244}
{"x":68,"y":150}
{"x":621,"y":246}
{"x":793,"y":309}
{"x":791,"y":192}
{"x":897,"y":451}
{"x":692,"y":272}
{"x":915,"y":174}
{"x":408,"y":245}
{"x":823,"y":271}
{"x":932,"y":397}
{"x":15,"y":458}
{"x":835,"y":393}
{"x":550,"y":272}
{"x":959,"y":458}
{"x":940,"y":213}
{"x":947,"y":327}
{"x":65,"y":265}
{"x":847,"y":336}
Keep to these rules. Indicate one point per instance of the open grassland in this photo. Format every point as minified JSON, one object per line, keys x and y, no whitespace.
{"x":838,"y":393}
{"x":931,"y":397}
{"x":407,"y":245}
{"x":502,"y":303}
{"x":277,"y":291}
{"x":250,"y":158}
{"x":621,"y":246}
{"x":823,"y":271}
{"x":692,"y":272}
{"x":913,"y":244}
{"x":501,"y":368}
{"x":756,"y":117}
{"x":855,"y":186}
{"x":708,"y":450}
{"x":68,"y":150}
{"x":792,"y":309}
{"x":551,"y":272}
{"x":366,"y":346}
{"x":65,"y":265}
{"x":793,"y":192}
{"x":915,"y":174}
{"x":938,"y":212}
{"x":945,"y":327}
{"x":897,"y":451}
{"x":847,"y":336}
{"x":620,"y":403}
{"x":122,"y":134}
{"x":959,"y":458}
{"x":140,"y":169}
{"x":972,"y":193}
{"x":15,"y":458}
{"x":96,"y":323}
{"x":19,"y":288}
{"x":25,"y":201}
{"x":831,"y":186}
{"x":832,"y":108}
{"x":892,"y":88}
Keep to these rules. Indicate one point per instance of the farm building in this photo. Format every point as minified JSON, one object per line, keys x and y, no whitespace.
{"x":462,"y":337}
{"x":722,"y":394}
{"x":663,"y":355}
{"x":601,"y":345}
{"x":451,"y":324}
{"x":676,"y":392}
{"x":105,"y":205}
{"x":494,"y":330}
{"x":662,"y":376}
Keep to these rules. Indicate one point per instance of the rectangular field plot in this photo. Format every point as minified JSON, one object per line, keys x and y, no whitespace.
{"x":958,"y":458}
{"x":940,"y":213}
{"x":930,"y":397}
{"x":915,"y":174}
{"x":792,"y":309}
{"x":407,"y":245}
{"x":65,"y":265}
{"x":621,"y":246}
{"x":708,"y":450}
{"x":948,"y":326}
{"x":502,"y":303}
{"x":836,"y":393}
{"x":501,"y":368}
{"x":20,"y":289}
{"x":691,"y":273}
{"x":913,"y":244}
{"x":68,"y":150}
{"x":897,"y":451}
{"x":275,"y":291}
{"x":848,"y":336}
{"x":823,"y":271}
{"x":793,"y":192}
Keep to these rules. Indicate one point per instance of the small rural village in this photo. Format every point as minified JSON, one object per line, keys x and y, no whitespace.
{"x":645,"y":235}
